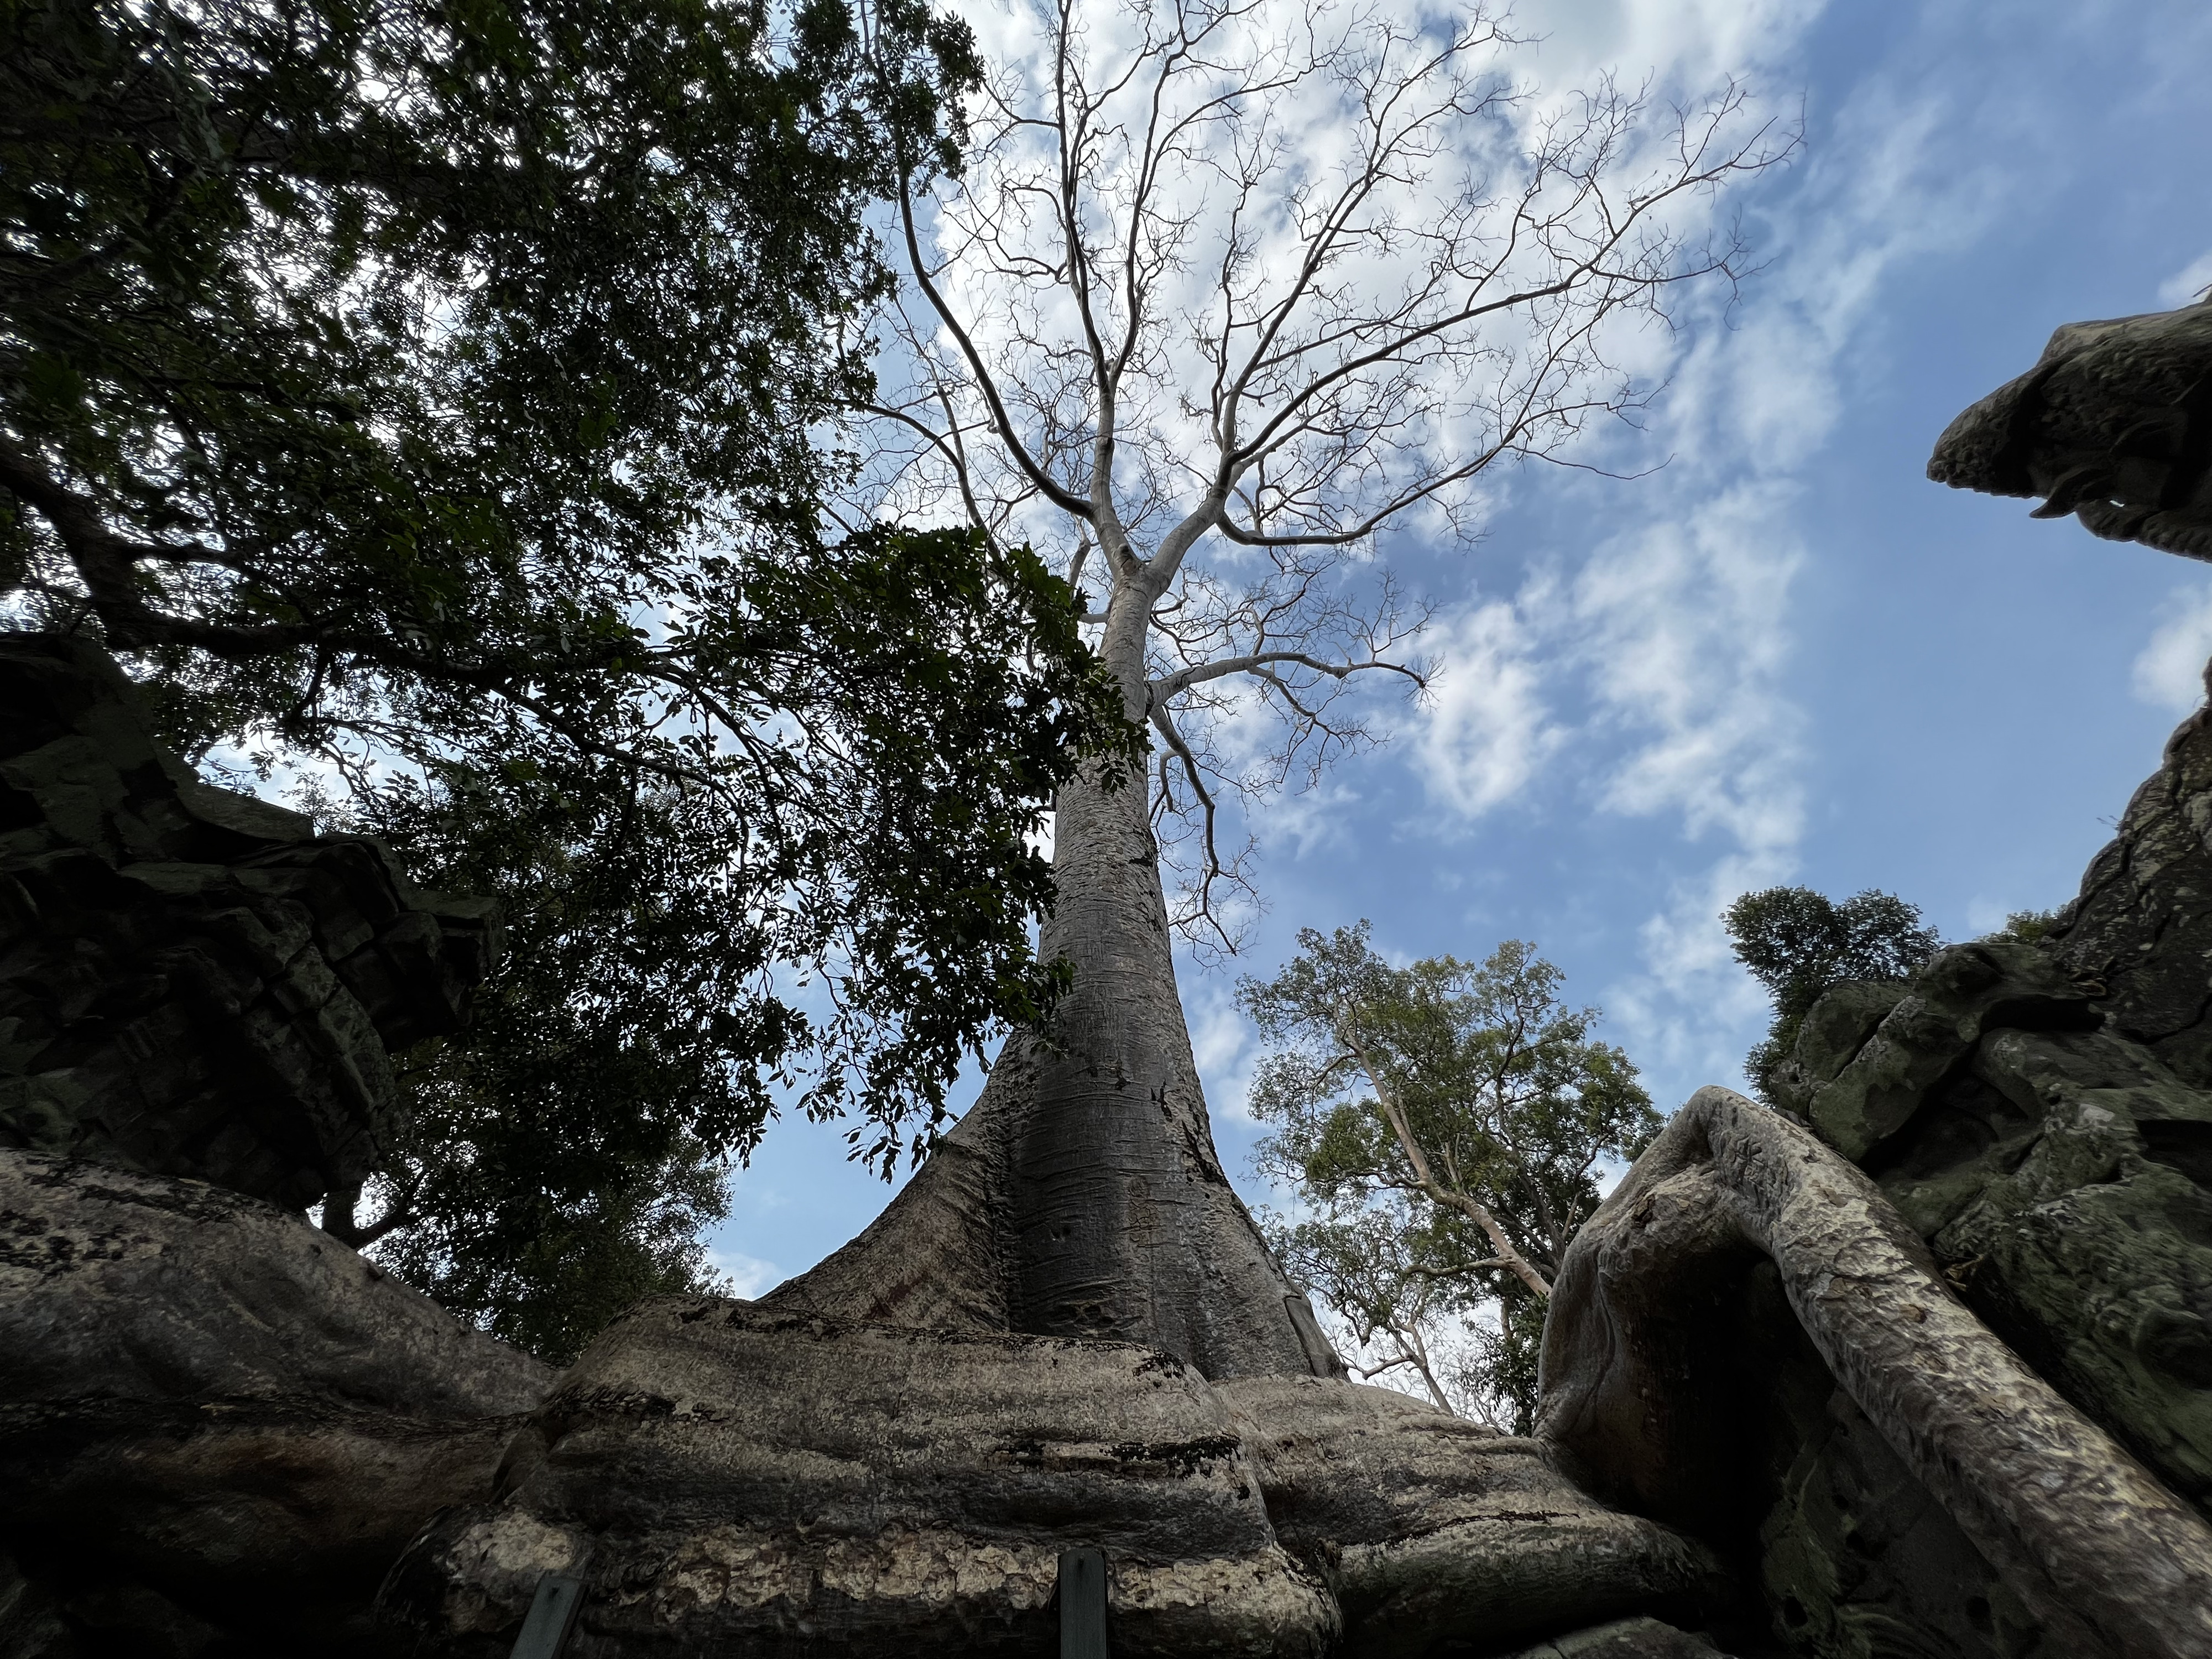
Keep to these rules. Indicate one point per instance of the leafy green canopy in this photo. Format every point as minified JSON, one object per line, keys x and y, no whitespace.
{"x":1444,"y":1122}
{"x":1797,"y":943}
{"x":643,"y":1024}
{"x":423,"y":391}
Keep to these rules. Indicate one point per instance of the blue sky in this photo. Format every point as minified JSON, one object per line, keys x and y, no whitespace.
{"x":1785,"y":656}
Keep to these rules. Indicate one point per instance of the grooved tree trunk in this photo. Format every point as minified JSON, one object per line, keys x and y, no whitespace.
{"x":1082,"y":1196}
{"x":1059,"y":366}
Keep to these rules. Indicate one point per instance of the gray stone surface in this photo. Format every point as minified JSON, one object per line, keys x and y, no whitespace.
{"x":1859,"y":1092}
{"x":2063,"y":1177}
{"x":1639,"y":1637}
{"x":1856,"y":1557}
{"x":32,"y":1626}
{"x":116,"y":1286}
{"x":732,"y":1477}
{"x":2140,"y":931}
{"x":192,"y":982}
{"x":215,"y":1418}
{"x":1434,"y":1530}
{"x":2113,"y":424}
{"x":2053,"y":1177}
{"x":727,"y":1474}
{"x":1654,"y":1379}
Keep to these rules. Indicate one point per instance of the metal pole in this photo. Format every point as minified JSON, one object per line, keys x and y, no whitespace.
{"x":1082,"y":1605}
{"x":552,"y":1615}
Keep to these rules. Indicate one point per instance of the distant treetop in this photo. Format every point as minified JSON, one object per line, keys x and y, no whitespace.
{"x":1797,"y":943}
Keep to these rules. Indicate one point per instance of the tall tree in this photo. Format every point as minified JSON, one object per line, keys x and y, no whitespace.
{"x":420,"y":393}
{"x":1464,"y":1107}
{"x":1797,"y":943}
{"x":1223,"y":290}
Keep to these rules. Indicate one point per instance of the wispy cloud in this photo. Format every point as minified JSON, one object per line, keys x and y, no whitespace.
{"x":1485,"y":732}
{"x":1670,"y":637}
{"x":2189,"y":283}
{"x":1221,"y":1042}
{"x":748,"y":1275}
{"x":2169,"y":671}
{"x":1682,"y":630}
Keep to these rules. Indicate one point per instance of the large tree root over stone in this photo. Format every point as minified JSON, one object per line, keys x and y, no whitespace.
{"x":2106,"y":1557}
{"x":728,"y":1477}
{"x":1432,"y":1530}
{"x":215,"y":1421}
{"x":1767,"y":1412}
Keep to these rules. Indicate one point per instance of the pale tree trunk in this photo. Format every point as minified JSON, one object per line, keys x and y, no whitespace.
{"x":1082,"y":1196}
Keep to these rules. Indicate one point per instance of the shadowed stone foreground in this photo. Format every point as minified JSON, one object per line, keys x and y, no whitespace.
{"x":1920,"y":1364}
{"x":729,"y":1478}
{"x":218,"y":1426}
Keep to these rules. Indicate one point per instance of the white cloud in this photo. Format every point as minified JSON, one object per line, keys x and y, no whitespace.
{"x":1675,"y":629}
{"x":1684,"y":635}
{"x":1687,"y":1015}
{"x":2188,"y":283}
{"x":748,"y":1274}
{"x":2169,"y":670}
{"x":1484,"y":732}
{"x":1220,"y":1041}
{"x":1986,"y":915}
{"x":1677,"y":43}
{"x":1311,"y":820}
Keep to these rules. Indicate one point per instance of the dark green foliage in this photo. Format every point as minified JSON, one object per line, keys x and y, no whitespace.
{"x":496,"y":1243}
{"x":1511,"y":1357}
{"x":421,"y":392}
{"x":2028,"y":925}
{"x":348,"y":341}
{"x":1797,"y":943}
{"x":1409,"y":1102}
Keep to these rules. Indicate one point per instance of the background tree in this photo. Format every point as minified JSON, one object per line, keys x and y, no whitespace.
{"x":417,"y":395}
{"x":1375,"y":1268}
{"x":1797,"y":943}
{"x":1220,"y":292}
{"x":1446,"y":1121}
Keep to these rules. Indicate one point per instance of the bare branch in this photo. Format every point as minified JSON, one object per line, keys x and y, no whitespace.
{"x":1168,"y":686}
{"x":1164,"y":723}
{"x":918,"y":268}
{"x":1185,"y":333}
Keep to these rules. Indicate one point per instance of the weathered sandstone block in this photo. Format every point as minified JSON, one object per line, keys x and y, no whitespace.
{"x":209,"y":1404}
{"x":191,"y":981}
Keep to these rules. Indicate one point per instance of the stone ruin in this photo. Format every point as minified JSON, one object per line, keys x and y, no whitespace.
{"x":1918,"y":1365}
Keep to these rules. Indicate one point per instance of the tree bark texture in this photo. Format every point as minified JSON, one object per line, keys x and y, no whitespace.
{"x":727,"y":1476}
{"x":2110,"y":1560}
{"x":1081,"y":1196}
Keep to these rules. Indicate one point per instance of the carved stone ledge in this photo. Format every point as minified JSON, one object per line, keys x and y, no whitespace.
{"x":191,"y":981}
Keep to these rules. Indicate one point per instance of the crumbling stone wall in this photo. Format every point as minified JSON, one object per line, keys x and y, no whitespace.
{"x":2040,"y":1116}
{"x":193,"y":982}
{"x":218,"y":1424}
